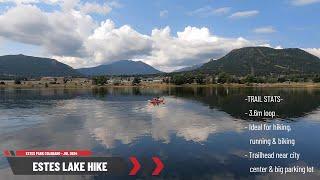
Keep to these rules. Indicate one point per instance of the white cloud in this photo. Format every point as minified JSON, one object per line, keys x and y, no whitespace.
{"x":161,"y":49}
{"x":60,"y":33}
{"x":89,"y":8}
{"x":265,"y":30}
{"x":191,"y":46}
{"x":164,"y":13}
{"x":30,"y":31}
{"x":20,"y":1}
{"x":109,"y":43}
{"x":314,"y":51}
{"x":33,"y":1}
{"x":244,"y":14}
{"x":73,"y":37}
{"x":73,"y":61}
{"x":222,"y":10}
{"x":270,"y":46}
{"x":303,"y":2}
{"x":67,"y":5}
{"x":209,"y":11}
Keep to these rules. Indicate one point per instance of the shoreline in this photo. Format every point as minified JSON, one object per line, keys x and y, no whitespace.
{"x":230,"y":85}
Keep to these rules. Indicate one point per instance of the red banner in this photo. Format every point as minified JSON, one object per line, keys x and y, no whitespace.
{"x":28,"y":153}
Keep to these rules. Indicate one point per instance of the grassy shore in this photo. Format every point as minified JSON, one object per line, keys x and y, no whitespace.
{"x":264,"y":85}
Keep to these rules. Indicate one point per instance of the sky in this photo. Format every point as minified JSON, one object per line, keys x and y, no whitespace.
{"x":167,"y":34}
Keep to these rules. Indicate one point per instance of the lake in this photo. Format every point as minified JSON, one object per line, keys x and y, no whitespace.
{"x":199,"y":133}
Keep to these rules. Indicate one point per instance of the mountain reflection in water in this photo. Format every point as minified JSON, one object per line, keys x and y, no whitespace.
{"x":199,"y":132}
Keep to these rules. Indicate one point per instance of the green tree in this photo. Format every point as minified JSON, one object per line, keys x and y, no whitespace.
{"x":223,"y":78}
{"x":17,"y":81}
{"x":250,"y":79}
{"x":177,"y":79}
{"x":282,"y":79}
{"x":200,"y":79}
{"x":316,"y":79}
{"x":166,"y":80}
{"x":185,"y":78}
{"x":136,"y":81}
{"x":100,"y":80}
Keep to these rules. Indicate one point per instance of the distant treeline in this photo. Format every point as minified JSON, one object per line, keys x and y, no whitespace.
{"x":221,"y":78}
{"x":195,"y":77}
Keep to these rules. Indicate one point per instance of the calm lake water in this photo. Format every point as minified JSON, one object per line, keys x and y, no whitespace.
{"x":199,"y":133}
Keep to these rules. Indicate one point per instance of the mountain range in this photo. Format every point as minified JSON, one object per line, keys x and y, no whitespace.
{"x":122,"y":67}
{"x":264,"y":61}
{"x":28,"y":66}
{"x":249,"y":60}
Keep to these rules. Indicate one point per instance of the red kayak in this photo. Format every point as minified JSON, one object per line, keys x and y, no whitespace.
{"x":156,"y":101}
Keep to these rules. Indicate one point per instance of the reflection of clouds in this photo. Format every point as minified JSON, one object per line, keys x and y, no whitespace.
{"x":118,"y":120}
{"x":77,"y":123}
{"x":126,"y":122}
{"x":45,"y":127}
{"x":126,"y":132}
{"x":114,"y":121}
{"x":313,"y":116}
{"x":19,"y":118}
{"x":291,"y":176}
{"x":189,"y":121}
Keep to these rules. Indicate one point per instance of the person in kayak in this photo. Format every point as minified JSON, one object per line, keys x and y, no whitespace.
{"x":157,"y":100}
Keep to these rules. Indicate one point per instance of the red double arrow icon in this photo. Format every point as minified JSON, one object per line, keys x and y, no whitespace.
{"x":159,"y":166}
{"x":136,"y":166}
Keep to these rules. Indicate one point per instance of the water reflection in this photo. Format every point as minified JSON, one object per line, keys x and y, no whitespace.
{"x":297,"y":101}
{"x":199,"y":132}
{"x":135,"y":119}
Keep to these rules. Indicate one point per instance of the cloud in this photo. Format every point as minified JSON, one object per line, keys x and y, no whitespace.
{"x":161,"y":49}
{"x":303,"y":2}
{"x":209,"y":11}
{"x":20,"y":1}
{"x":314,"y":51}
{"x":60,"y":33}
{"x":30,"y":31}
{"x":109,"y":43}
{"x":222,"y":10}
{"x":73,"y":37}
{"x":89,"y":8}
{"x":35,"y":1}
{"x":191,"y":46}
{"x":164,"y":13}
{"x":244,"y":14}
{"x":265,"y":30}
{"x":270,"y":46}
{"x":66,"y":5}
{"x":73,"y":61}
